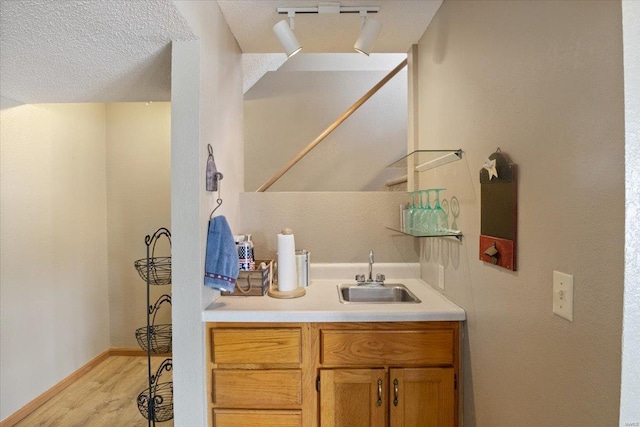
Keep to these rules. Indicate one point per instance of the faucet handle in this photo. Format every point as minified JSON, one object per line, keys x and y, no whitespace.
{"x":360,"y":278}
{"x":380,"y":278}
{"x":371,"y":257}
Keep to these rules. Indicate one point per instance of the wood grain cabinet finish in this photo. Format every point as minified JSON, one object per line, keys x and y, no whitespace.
{"x":256,"y":418}
{"x":256,"y":346}
{"x":410,"y":347}
{"x":411,"y":397}
{"x":400,"y":374}
{"x":392,"y":374}
{"x":422,"y":397}
{"x":353,"y":397}
{"x":260,"y":375}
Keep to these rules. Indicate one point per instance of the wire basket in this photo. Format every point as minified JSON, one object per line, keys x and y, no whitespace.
{"x":159,"y":270}
{"x":161,"y":397}
{"x":160,"y":339}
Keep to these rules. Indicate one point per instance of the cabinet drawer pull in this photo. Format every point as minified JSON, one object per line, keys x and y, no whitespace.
{"x":395,"y":392}
{"x":379,"y":392}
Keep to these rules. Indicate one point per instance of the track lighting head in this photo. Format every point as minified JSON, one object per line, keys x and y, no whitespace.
{"x":368,"y":35}
{"x":286,"y":37}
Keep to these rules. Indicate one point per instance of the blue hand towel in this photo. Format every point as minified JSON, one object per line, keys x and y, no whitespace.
{"x":221,"y":261}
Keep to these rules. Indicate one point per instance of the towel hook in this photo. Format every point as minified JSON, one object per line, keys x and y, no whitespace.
{"x":213,"y":178}
{"x":218,"y":200}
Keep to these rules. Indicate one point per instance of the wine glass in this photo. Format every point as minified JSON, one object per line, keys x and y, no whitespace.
{"x":439,"y":216}
{"x":421,"y":217}
{"x":427,"y":215}
{"x":412,"y":213}
{"x":445,"y":208}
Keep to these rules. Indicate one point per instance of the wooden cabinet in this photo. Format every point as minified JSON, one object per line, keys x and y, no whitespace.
{"x":421,"y":397}
{"x":353,"y":397}
{"x":260,"y":375}
{"x":395,"y":374}
{"x":388,"y":374}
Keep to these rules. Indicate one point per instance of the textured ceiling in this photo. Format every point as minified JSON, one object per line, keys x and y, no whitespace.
{"x":403,"y":23}
{"x":88,"y":51}
{"x":120,"y":51}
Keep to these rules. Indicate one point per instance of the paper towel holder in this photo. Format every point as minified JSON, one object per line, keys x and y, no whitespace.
{"x":275,"y":293}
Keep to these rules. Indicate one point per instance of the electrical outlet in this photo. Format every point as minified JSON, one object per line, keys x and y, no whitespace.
{"x":563,"y":295}
{"x":441,"y":277}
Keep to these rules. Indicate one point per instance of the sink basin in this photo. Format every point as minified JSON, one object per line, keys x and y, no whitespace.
{"x":388,"y":293}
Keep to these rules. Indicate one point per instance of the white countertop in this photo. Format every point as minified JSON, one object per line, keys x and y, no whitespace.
{"x":321,"y":302}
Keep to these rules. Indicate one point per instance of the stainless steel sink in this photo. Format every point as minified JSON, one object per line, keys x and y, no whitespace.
{"x":387,"y":293}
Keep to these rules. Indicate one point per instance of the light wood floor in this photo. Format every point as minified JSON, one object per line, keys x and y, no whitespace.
{"x":104,"y":397}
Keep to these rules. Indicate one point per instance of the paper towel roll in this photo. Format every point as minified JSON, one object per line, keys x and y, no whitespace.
{"x":287,"y":277}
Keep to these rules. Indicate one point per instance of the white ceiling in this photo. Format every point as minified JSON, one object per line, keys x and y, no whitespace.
{"x":403,"y":23}
{"x":119,"y":50}
{"x":88,"y":51}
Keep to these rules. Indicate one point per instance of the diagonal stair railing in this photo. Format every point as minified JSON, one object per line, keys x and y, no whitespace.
{"x":331,"y":128}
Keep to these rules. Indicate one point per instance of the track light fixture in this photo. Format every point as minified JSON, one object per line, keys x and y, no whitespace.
{"x":288,"y":40}
{"x":368,"y":34}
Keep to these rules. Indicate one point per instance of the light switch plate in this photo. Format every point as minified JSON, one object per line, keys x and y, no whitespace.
{"x":441,"y":277}
{"x":563,"y":295}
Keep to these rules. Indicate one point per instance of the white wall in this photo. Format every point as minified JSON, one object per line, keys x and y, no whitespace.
{"x":630,"y":389}
{"x":53,"y":287}
{"x":544,"y":82}
{"x":206,"y":109}
{"x":138,"y":145}
{"x":287,"y":109}
{"x":334,"y":226}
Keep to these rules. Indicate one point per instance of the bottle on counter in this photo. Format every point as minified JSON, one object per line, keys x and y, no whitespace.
{"x":244,"y":245}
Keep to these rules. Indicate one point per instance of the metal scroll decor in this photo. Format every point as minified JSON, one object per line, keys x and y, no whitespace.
{"x":499,"y":211}
{"x":156,"y":401}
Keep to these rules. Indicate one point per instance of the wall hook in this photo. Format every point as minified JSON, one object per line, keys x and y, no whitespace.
{"x":213,"y":179}
{"x":213,"y":176}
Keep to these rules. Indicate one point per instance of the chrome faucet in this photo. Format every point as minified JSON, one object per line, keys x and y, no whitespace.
{"x":379,"y":277}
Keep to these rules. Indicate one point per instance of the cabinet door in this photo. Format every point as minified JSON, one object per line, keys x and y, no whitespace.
{"x":422,"y":397}
{"x":353,"y":397}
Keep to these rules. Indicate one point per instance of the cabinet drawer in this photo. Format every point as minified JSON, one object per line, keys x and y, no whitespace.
{"x":258,"y":388}
{"x":250,"y":346}
{"x":256,"y":418}
{"x":366,"y":347}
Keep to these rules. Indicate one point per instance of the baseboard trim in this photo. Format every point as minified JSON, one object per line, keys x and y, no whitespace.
{"x":27,"y":409}
{"x":134,"y":352}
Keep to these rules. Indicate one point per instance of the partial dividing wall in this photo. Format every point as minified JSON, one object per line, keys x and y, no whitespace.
{"x":54,"y":305}
{"x":138,"y":153}
{"x":206,"y":102}
{"x":335,"y":227}
{"x":289,"y":108}
{"x":543,"y":81}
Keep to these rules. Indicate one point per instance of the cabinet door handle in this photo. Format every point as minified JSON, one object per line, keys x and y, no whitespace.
{"x":379,"y":392}
{"x":395,"y":392}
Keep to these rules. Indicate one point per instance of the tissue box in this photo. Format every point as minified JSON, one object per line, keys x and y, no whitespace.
{"x":253,"y":282}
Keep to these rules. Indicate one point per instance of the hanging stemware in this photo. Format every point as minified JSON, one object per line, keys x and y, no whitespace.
{"x":421,"y":217}
{"x":412,"y":213}
{"x":439,"y":215}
